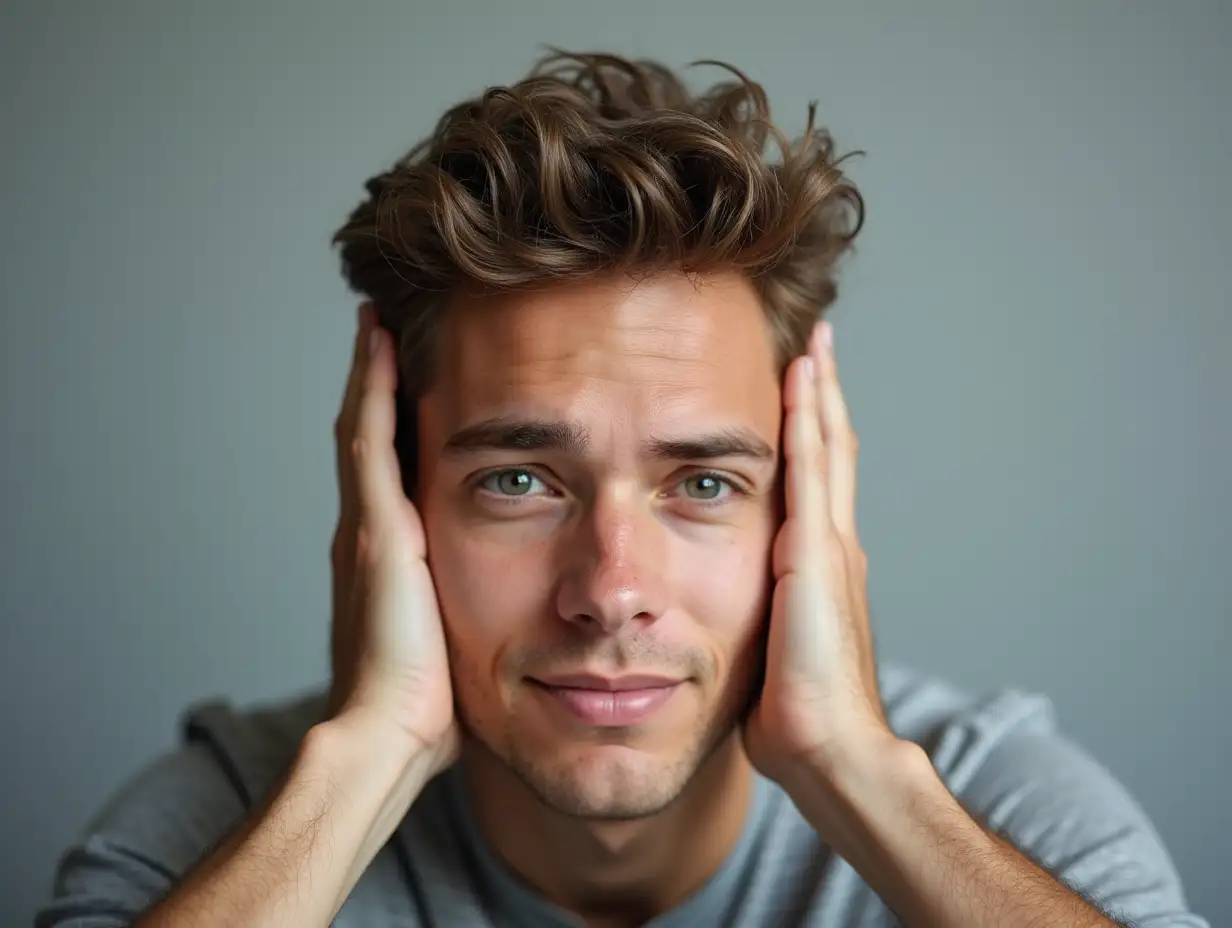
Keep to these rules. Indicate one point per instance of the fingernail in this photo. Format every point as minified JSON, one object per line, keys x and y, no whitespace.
{"x":810,"y":369}
{"x":827,"y":335}
{"x":374,"y":341}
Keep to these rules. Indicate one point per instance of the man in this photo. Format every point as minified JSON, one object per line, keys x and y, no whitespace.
{"x":601,"y":640}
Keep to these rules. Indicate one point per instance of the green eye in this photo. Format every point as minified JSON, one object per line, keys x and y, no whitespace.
{"x":704,"y":487}
{"x":510,"y":482}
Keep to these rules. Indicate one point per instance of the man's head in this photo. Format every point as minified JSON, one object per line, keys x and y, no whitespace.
{"x":596,"y":279}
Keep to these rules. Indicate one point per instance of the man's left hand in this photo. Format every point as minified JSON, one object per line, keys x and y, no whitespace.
{"x":820,"y":730}
{"x":820,"y":706}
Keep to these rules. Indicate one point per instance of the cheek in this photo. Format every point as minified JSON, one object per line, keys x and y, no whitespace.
{"x":491,"y":596}
{"x":726,"y":586}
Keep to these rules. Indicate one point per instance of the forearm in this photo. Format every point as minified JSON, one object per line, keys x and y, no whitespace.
{"x":296,"y":860}
{"x":892,"y":818}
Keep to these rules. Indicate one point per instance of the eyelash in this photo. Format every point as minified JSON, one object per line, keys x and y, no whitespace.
{"x":734,"y":486}
{"x":505,"y":499}
{"x":735,"y":490}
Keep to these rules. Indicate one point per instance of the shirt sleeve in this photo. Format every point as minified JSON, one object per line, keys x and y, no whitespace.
{"x":1059,"y":806}
{"x":149,"y":835}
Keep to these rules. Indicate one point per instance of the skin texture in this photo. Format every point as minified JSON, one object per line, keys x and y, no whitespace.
{"x":606,"y":559}
{"x":609,"y":559}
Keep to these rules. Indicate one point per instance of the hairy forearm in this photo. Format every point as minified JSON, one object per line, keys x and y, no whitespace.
{"x":892,"y":818}
{"x":294,"y":862}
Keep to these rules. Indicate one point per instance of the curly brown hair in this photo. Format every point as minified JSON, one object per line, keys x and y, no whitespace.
{"x":591,"y":164}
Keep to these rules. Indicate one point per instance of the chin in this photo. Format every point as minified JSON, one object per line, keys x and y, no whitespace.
{"x":610,"y":780}
{"x":606,"y":786}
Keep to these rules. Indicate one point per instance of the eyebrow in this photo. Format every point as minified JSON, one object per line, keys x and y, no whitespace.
{"x":503,"y":434}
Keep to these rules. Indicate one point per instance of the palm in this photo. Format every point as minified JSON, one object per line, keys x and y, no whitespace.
{"x":788,"y":711}
{"x":820,"y":670}
{"x":388,"y":644}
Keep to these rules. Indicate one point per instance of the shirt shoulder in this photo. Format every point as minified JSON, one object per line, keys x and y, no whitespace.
{"x":1004,"y":756}
{"x":176,"y":809}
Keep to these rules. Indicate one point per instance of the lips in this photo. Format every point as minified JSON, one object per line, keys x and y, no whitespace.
{"x":586,"y":681}
{"x":608,"y":701}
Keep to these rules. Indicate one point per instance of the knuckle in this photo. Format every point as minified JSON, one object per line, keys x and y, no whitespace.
{"x":360,"y":449}
{"x":365,"y":549}
{"x":857,"y":557}
{"x":835,"y":549}
{"x":341,"y":547}
{"x":844,"y":437}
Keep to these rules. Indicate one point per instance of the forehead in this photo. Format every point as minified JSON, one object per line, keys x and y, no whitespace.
{"x":667,"y":352}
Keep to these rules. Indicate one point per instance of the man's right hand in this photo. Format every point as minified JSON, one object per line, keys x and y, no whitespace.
{"x":390,"y":728}
{"x":388,"y":647}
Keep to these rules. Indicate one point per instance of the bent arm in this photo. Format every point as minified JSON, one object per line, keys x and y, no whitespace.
{"x":1041,"y":835}
{"x":295,"y":861}
{"x":177,"y":847}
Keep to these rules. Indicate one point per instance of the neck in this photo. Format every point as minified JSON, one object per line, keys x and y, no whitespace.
{"x":614,"y":872}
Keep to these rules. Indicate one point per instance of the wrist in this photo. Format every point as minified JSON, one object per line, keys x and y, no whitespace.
{"x":849,"y":797}
{"x":366,"y":762}
{"x":373,"y":724}
{"x":878,"y":761}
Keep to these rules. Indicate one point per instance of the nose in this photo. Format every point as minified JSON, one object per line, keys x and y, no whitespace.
{"x":613,"y":566}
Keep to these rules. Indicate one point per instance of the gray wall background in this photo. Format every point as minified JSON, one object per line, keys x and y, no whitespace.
{"x":1034,"y":339}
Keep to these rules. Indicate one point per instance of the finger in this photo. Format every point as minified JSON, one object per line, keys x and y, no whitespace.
{"x":344,"y":425}
{"x":380,"y":497}
{"x":837,"y":434}
{"x":804,"y":451}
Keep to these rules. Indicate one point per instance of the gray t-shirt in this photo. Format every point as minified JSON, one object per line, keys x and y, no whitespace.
{"x":1001,"y":756}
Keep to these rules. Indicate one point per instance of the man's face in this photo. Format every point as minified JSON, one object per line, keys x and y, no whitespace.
{"x":598,"y":484}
